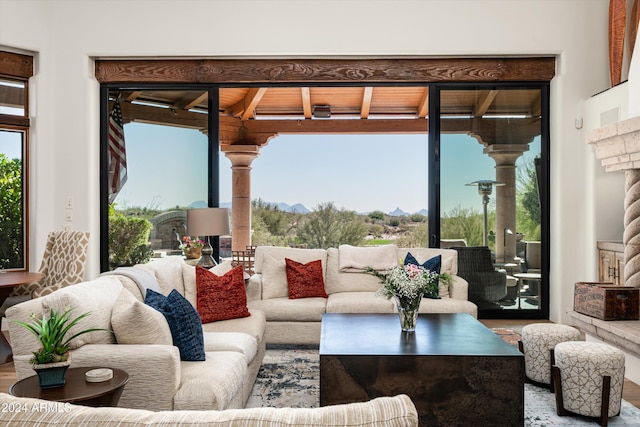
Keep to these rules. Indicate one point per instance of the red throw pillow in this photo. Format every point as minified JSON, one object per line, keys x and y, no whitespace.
{"x":221,"y":297}
{"x":305,"y":280}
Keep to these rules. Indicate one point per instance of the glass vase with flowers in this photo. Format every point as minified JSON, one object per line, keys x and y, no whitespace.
{"x":408,"y":284}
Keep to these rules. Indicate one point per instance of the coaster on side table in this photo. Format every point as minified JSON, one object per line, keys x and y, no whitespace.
{"x":98,"y":375}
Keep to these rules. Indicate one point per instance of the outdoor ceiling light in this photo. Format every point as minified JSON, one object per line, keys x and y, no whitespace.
{"x":321,"y":111}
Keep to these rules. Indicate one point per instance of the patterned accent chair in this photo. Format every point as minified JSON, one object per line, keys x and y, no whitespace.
{"x":62,"y":265}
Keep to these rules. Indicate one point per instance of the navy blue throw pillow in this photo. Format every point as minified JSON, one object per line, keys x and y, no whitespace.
{"x":432,"y":264}
{"x":184,"y":322}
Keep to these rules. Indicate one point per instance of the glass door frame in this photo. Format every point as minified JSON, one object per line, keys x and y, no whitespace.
{"x":544,"y":185}
{"x":213,"y":169}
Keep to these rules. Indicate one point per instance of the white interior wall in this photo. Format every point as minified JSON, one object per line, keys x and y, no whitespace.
{"x":66,"y":34}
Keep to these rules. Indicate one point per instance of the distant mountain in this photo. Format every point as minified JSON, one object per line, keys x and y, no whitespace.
{"x":301,"y":209}
{"x":398,"y":212}
{"x":297,"y":208}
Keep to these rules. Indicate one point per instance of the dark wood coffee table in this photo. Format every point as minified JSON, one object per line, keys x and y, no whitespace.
{"x":456,"y":370}
{"x":76,"y":389}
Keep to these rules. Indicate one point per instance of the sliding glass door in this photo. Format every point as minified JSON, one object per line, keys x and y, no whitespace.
{"x":492,"y":147}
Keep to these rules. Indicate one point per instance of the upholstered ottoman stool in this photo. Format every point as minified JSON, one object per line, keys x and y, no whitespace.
{"x":588,"y":379}
{"x":538,"y":342}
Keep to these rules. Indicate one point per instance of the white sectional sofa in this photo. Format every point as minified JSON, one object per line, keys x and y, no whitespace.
{"x":158,"y":378}
{"x":396,"y":411}
{"x":297,"y":321}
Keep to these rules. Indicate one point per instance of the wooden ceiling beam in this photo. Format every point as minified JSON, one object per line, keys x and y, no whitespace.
{"x":131,"y":96}
{"x":536,"y":107}
{"x":365,"y":109}
{"x":494,"y":127}
{"x":162,"y":116}
{"x":423,"y":106}
{"x":354,"y":126}
{"x":305,"y":93}
{"x":354,"y":71}
{"x":246,"y":107}
{"x":190,"y":101}
{"x":484,"y":102}
{"x":252,"y":100}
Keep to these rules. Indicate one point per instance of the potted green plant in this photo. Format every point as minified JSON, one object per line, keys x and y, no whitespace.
{"x":52,"y":359}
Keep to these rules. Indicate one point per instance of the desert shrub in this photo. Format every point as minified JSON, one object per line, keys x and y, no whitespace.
{"x":128,"y":240}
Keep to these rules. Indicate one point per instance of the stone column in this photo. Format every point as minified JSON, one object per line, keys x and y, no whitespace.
{"x":631,"y":235}
{"x":505,"y":156}
{"x":241,"y":157}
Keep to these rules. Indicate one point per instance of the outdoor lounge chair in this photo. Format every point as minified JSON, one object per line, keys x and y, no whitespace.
{"x":476,"y":267}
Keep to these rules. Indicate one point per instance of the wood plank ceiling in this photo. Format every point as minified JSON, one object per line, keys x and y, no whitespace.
{"x":263,"y":97}
{"x":298,"y":103}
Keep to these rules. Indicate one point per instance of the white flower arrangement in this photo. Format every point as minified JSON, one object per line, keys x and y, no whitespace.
{"x":408,"y":282}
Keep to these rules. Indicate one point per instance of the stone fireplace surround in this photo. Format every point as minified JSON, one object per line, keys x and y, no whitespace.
{"x":617,"y":146}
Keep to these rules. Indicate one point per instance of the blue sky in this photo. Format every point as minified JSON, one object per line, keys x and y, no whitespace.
{"x":10,"y":144}
{"x":355,"y":172}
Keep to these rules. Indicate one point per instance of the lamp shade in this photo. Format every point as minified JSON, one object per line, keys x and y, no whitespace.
{"x":208,"y":222}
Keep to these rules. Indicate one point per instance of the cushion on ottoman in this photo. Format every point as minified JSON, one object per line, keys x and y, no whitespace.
{"x":582,"y":367}
{"x":538,"y":339}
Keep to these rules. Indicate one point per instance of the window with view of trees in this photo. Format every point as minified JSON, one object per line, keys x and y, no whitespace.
{"x":15,"y":71}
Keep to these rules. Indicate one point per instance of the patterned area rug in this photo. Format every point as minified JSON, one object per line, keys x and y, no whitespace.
{"x":290,"y":378}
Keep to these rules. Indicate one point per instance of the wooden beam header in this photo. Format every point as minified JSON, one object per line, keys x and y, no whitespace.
{"x":16,"y":65}
{"x":325,"y":71}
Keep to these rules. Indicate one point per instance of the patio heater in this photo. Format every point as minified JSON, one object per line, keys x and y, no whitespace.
{"x":208,"y":222}
{"x":485,"y":188}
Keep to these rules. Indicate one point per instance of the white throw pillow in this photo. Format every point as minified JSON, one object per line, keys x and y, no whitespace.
{"x":274,"y":278}
{"x":134,"y":322}
{"x":98,"y":297}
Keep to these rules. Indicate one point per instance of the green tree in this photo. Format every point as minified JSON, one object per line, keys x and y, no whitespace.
{"x":328,"y":227}
{"x":464,"y":223}
{"x":376,"y":230}
{"x":417,"y":218}
{"x":528,"y":212}
{"x":272,"y":226}
{"x":417,"y":237}
{"x":128,"y":240}
{"x":274,"y":219}
{"x":379,"y":215}
{"x":11,"y":227}
{"x":260,"y":235}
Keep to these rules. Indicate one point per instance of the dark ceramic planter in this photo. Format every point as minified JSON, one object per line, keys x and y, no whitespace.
{"x":52,"y":375}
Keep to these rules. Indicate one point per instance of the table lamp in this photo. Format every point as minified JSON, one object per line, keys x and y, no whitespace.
{"x":207,"y":222}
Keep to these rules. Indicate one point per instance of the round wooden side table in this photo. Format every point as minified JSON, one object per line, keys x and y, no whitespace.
{"x":76,"y":389}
